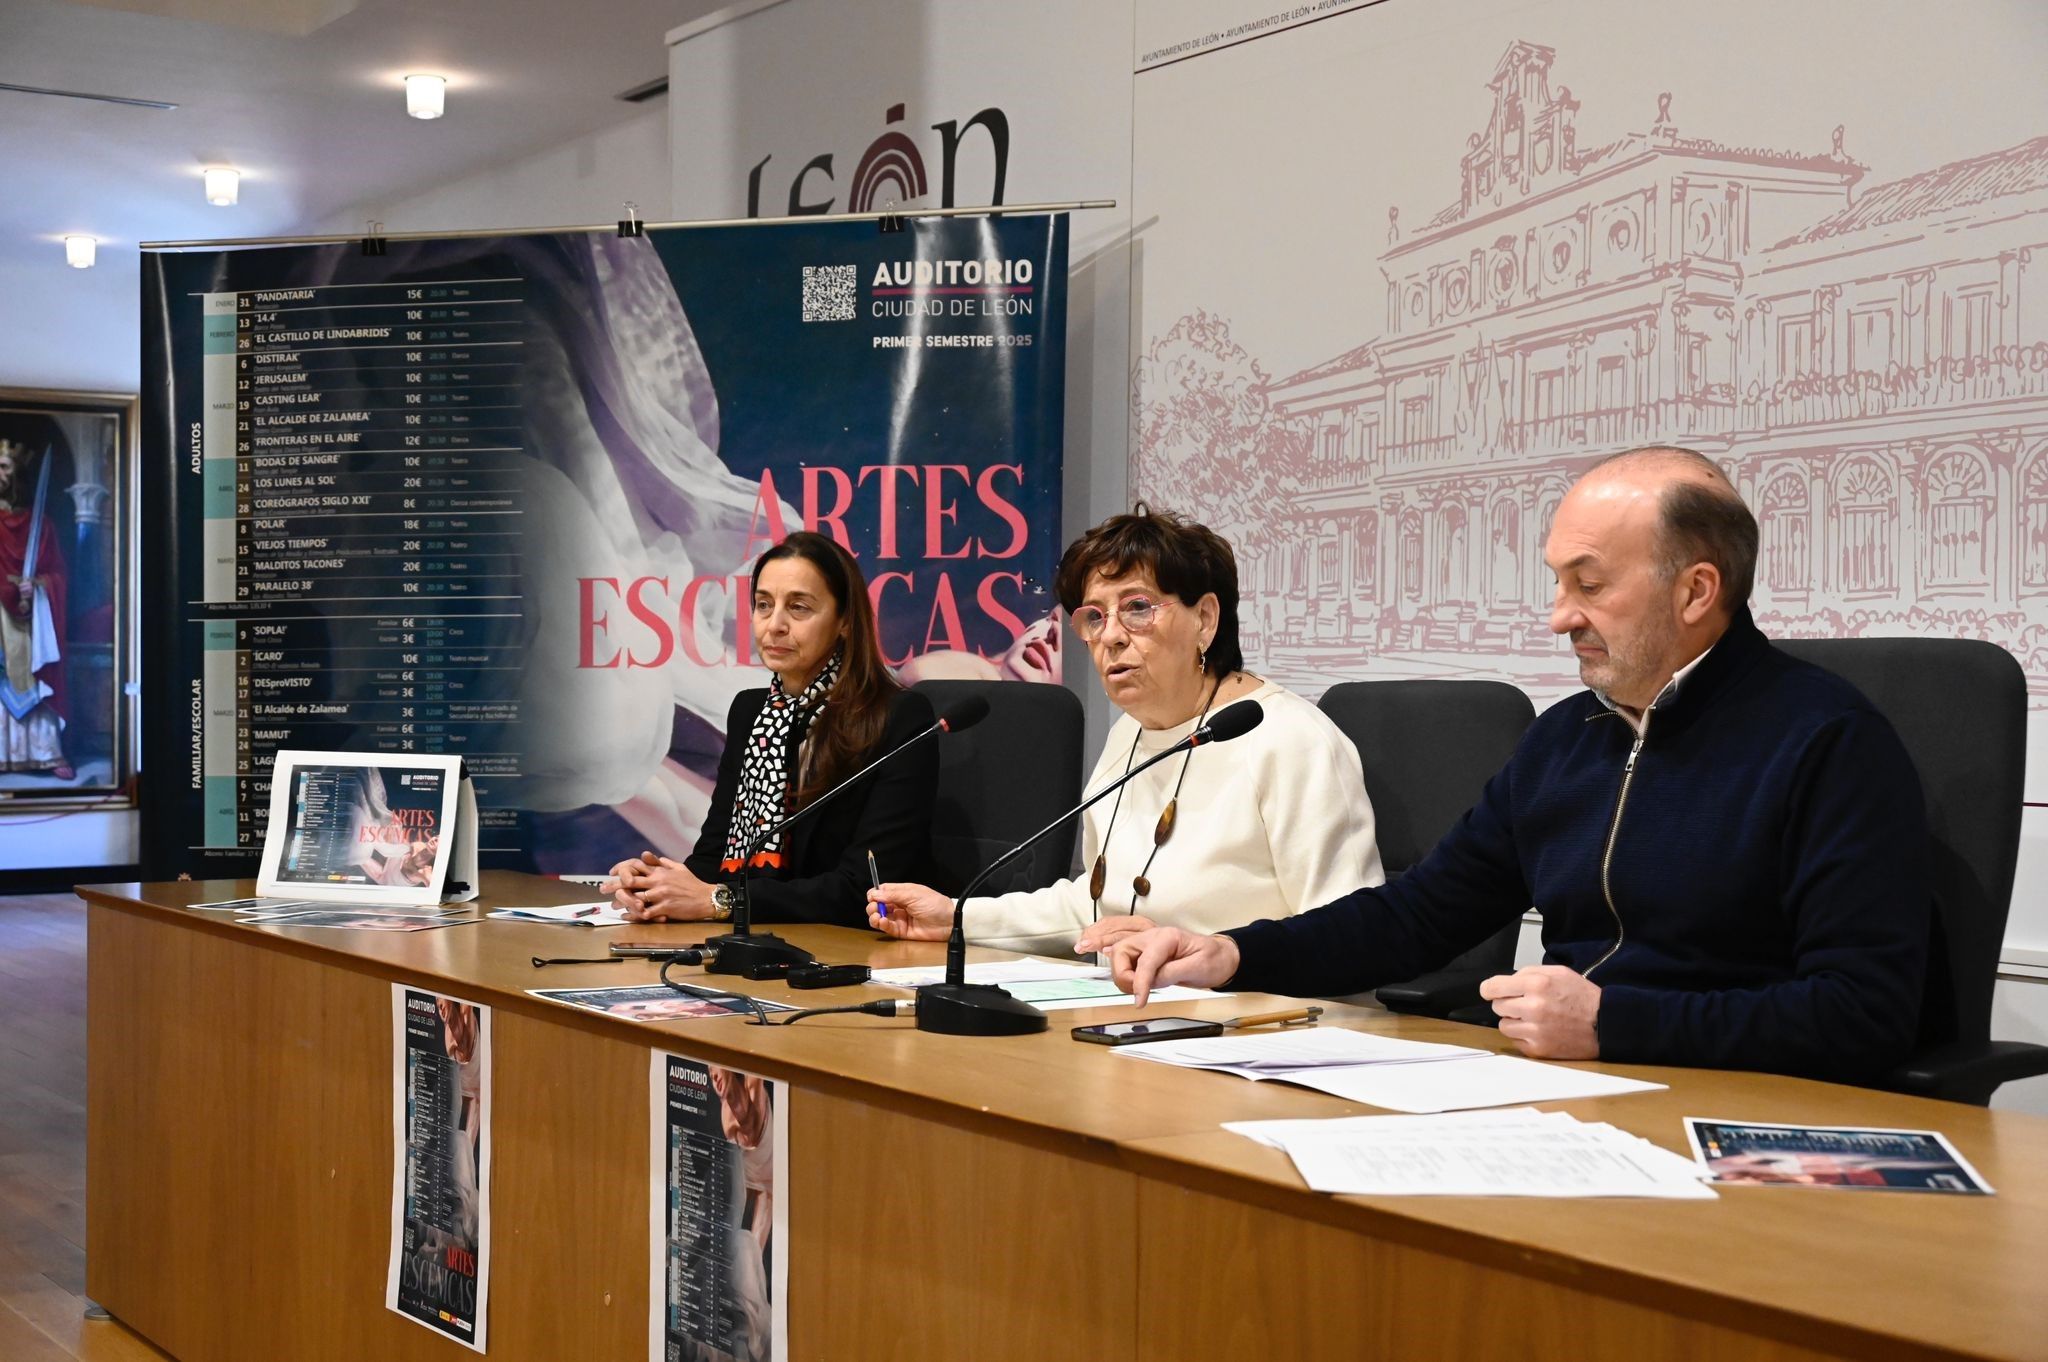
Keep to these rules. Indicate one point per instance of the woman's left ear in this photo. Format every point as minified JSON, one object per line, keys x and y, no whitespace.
{"x":1208,"y":610}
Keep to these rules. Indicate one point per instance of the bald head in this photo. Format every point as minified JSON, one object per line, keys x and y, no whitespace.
{"x":1700,"y":518}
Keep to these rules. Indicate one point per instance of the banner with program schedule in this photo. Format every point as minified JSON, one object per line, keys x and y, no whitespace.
{"x":718,"y":1261}
{"x":439,"y":1274}
{"x":498,"y":499}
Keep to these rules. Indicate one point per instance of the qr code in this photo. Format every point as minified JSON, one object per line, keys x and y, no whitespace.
{"x":828,"y":293}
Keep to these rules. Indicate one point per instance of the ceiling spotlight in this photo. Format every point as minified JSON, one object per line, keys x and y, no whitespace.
{"x":425,"y":95}
{"x":223,"y":185}
{"x":79,"y":251}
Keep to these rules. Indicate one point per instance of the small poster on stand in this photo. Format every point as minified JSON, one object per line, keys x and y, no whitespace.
{"x":439,"y":1273}
{"x":719,"y":1214}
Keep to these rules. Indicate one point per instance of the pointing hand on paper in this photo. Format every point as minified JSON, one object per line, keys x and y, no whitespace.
{"x":1167,"y":955}
{"x":1547,"y":1011}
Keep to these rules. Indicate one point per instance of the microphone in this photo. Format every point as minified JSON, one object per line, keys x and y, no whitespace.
{"x":739,"y":949}
{"x":958,"y":1008}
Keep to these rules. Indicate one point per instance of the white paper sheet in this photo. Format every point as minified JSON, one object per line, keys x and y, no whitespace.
{"x":1485,"y":1081}
{"x":1272,"y":1053}
{"x":602,"y":914}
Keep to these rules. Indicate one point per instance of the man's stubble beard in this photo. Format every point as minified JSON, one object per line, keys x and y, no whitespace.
{"x":1634,"y":665}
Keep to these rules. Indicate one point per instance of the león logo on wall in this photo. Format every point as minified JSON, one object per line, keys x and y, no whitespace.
{"x":891,"y":172}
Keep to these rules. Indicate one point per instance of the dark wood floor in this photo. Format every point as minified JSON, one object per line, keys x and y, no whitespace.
{"x":42,"y":1140}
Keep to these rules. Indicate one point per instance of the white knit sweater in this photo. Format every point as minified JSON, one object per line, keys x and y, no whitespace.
{"x":1270,"y":824}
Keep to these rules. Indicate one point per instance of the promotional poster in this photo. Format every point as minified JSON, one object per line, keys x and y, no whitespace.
{"x":719,"y":1259}
{"x":439,"y":1272}
{"x":362,"y":825}
{"x":1831,"y":1156}
{"x":499,"y":498}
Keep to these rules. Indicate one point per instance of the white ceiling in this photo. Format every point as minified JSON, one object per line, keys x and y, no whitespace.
{"x":304,"y":96}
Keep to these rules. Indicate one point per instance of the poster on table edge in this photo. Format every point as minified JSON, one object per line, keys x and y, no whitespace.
{"x":439,"y":1273}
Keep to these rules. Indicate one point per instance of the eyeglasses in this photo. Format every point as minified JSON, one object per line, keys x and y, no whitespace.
{"x":1137,"y":615}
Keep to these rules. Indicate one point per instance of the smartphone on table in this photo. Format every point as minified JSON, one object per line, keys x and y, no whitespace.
{"x":1155,"y":1028}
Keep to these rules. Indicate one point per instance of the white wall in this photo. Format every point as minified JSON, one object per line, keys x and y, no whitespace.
{"x":584,"y":181}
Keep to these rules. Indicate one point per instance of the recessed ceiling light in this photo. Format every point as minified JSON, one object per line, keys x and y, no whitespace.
{"x":79,"y":251}
{"x":425,"y":96}
{"x":223,"y":185}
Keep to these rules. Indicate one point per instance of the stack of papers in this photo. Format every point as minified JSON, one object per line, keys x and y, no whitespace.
{"x":1380,"y":1071}
{"x":1048,"y":985}
{"x":1522,"y":1152}
{"x":604,"y":914}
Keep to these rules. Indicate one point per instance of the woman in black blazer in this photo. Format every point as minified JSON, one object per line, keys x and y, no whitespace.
{"x":831,"y":708}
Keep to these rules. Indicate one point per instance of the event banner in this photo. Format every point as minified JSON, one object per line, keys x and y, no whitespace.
{"x":718,"y":1261}
{"x":499,"y":498}
{"x":439,"y":1272}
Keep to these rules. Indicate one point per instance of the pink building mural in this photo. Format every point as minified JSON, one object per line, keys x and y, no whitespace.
{"x":1869,"y":363}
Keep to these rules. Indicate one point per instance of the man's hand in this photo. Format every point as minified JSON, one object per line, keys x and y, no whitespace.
{"x":1168,"y":955}
{"x":1100,"y":936}
{"x":914,"y":912}
{"x":1547,"y":1011}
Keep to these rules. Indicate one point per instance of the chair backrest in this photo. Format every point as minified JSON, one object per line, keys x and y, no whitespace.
{"x":1003,"y":780}
{"x":1428,"y":748}
{"x":1960,"y":707}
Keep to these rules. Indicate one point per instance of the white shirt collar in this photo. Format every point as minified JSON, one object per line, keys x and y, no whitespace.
{"x":1641,"y":722}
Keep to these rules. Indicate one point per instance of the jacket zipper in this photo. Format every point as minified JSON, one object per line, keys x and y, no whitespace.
{"x":1628,"y":775}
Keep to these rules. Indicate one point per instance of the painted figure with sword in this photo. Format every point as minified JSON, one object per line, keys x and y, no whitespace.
{"x":31,"y":622}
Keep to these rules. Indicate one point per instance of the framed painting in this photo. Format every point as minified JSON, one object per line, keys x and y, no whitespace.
{"x":67,"y":626}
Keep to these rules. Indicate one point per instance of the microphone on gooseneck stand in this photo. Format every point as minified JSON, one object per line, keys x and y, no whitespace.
{"x":958,"y":1008}
{"x":740,"y":949}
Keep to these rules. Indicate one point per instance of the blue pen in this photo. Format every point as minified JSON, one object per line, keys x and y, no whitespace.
{"x":875,"y":878}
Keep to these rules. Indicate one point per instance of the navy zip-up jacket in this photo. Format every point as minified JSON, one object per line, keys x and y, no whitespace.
{"x":1754,"y":894}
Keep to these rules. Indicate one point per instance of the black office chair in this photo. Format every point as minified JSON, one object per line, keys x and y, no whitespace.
{"x":1960,"y":707}
{"x":1003,"y":780}
{"x":1428,"y":748}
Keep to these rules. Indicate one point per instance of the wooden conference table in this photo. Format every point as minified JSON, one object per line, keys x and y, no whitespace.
{"x":950,"y":1198}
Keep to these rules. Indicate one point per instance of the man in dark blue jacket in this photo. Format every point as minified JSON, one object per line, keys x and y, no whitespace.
{"x":1728,"y":847}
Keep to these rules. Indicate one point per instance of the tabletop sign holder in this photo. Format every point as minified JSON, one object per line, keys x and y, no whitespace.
{"x":390,"y":829}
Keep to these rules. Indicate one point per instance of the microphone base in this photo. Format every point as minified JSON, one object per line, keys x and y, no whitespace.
{"x":737,"y":954}
{"x":975,"y":1010}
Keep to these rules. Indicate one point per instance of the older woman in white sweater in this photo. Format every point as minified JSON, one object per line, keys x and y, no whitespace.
{"x":1267,"y":825}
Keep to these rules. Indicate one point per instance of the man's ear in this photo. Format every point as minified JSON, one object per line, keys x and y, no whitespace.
{"x":1699,"y":592}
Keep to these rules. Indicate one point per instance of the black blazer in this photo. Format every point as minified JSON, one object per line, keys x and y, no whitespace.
{"x":824,"y":871}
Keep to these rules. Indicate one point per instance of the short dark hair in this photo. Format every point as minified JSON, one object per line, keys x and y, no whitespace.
{"x":1702,"y":521}
{"x":1187,"y":559}
{"x":1709,"y":525}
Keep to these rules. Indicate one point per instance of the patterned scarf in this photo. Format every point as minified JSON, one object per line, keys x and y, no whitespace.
{"x":767,"y":786}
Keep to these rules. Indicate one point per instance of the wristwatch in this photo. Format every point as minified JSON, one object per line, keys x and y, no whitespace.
{"x":721,"y":902}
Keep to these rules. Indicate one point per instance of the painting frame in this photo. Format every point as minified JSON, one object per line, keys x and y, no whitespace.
{"x":82,"y":449}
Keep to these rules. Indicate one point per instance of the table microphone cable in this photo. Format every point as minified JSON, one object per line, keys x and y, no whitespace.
{"x":882,"y":1007}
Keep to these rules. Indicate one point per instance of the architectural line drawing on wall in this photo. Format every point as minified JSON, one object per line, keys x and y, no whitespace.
{"x":1867,"y":362}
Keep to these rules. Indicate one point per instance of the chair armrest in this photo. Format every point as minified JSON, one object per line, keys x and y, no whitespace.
{"x":1968,"y":1071}
{"x":1437,"y":994}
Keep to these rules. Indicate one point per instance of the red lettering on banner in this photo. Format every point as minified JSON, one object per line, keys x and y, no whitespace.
{"x":590,"y":623}
{"x":842,"y":502}
{"x":938,"y":510}
{"x":985,"y":597}
{"x":890,"y":472}
{"x":637,"y":604}
{"x":944,"y":607}
{"x":686,"y":622}
{"x":985,"y":488}
{"x":766,"y":504}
